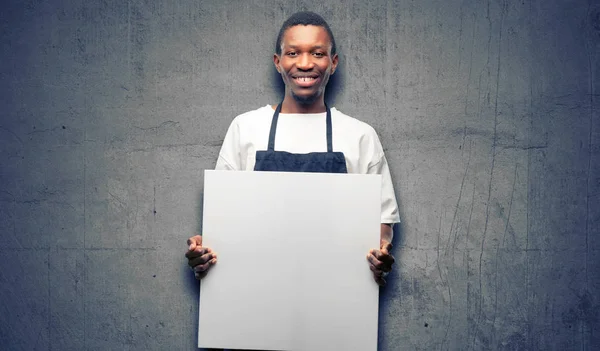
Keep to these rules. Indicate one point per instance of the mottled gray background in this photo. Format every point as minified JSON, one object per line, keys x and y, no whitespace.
{"x":488,"y":112}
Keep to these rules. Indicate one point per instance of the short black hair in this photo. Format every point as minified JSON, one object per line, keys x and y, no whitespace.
{"x":304,"y":18}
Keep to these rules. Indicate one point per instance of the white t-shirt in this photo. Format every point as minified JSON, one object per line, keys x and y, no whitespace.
{"x":303,"y":133}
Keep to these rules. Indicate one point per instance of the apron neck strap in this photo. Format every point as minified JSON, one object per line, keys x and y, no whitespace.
{"x":274,"y":129}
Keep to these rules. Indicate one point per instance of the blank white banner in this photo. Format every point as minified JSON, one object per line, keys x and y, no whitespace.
{"x":292,"y":272}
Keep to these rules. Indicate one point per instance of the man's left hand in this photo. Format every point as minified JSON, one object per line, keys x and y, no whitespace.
{"x":380,"y":262}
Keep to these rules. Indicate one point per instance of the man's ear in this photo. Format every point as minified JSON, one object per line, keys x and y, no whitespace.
{"x":334,"y":64}
{"x":276,"y":61}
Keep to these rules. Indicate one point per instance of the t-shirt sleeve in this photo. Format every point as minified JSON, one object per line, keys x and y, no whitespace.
{"x":229,"y":156}
{"x":389,"y":206}
{"x":379,"y":165}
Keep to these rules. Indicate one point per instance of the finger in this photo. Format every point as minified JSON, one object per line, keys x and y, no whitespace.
{"x":376,"y":272}
{"x":204,"y":267}
{"x":198,"y":251}
{"x":379,"y":279}
{"x":384,"y":256}
{"x":386,"y":263}
{"x":193,"y":262}
{"x":194,"y":242}
{"x":191,"y":244}
{"x":374,"y":261}
{"x":375,"y":267}
{"x":386,"y":268}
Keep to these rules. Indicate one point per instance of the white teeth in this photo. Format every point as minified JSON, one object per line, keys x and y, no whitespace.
{"x":305,"y":79}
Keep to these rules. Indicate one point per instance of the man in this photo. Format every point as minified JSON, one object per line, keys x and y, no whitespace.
{"x":303,"y":127}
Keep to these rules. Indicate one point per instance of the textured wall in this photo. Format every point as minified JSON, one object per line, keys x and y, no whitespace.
{"x":488,"y":111}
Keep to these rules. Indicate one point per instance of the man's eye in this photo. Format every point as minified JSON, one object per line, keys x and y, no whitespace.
{"x":292,"y":53}
{"x":319,"y":54}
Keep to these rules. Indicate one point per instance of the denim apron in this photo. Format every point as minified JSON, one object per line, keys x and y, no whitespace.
{"x":281,"y":161}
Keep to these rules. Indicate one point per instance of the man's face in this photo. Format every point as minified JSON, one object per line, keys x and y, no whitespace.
{"x":305,"y":63}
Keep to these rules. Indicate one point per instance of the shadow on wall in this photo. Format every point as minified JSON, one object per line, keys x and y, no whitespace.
{"x":334,"y":87}
{"x":390,"y":295}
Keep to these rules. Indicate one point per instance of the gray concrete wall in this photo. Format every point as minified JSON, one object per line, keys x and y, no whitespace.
{"x":488,"y":112}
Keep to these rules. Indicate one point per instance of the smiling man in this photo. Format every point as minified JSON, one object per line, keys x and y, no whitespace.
{"x":302,"y":134}
{"x":305,"y":57}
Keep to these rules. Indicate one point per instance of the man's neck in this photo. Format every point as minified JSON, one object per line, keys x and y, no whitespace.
{"x":292,"y":106}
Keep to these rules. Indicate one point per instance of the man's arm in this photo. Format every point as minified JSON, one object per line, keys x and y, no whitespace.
{"x":381,"y":261}
{"x":387,"y":233}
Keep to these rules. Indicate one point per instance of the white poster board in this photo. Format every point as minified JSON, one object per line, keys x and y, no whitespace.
{"x":292,"y":272}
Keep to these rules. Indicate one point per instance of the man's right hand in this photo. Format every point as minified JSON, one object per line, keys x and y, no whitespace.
{"x":200,"y":259}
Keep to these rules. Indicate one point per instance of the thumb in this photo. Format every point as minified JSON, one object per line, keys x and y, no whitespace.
{"x":194,"y":242}
{"x":385,"y":245}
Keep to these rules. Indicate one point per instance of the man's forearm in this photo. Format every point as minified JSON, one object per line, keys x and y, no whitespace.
{"x":387,"y":233}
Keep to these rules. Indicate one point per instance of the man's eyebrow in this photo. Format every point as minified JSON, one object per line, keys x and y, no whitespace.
{"x":312,"y":48}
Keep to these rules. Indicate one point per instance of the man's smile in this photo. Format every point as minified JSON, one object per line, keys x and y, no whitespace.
{"x":306,"y":81}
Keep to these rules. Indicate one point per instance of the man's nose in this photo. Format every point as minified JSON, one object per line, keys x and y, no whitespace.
{"x":305,"y":62}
